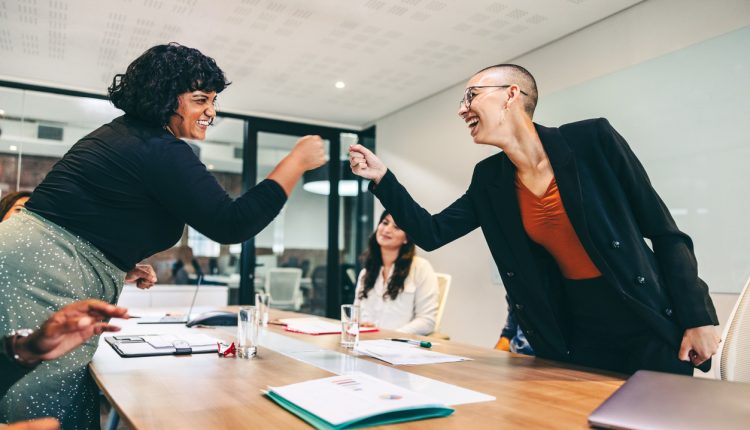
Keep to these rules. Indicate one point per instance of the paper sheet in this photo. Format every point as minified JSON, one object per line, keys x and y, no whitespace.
{"x":317,"y":326}
{"x":399,"y":353}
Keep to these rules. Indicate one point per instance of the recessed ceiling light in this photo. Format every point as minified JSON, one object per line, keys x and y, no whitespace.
{"x":13,"y":148}
{"x":210,"y":167}
{"x":340,"y":84}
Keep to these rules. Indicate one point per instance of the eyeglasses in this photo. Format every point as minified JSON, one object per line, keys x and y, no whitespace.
{"x":469,"y":94}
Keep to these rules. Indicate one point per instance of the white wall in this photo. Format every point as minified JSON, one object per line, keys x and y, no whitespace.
{"x":431,"y":152}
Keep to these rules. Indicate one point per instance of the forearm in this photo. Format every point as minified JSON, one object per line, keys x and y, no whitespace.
{"x":691,"y":302}
{"x":419,"y":325}
{"x":287,"y":173}
{"x":239,"y":220}
{"x":428,"y":231}
{"x":673,"y":249}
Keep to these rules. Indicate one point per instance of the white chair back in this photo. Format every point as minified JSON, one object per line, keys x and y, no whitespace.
{"x":734,"y":355}
{"x":444,"y":285}
{"x":283,"y":285}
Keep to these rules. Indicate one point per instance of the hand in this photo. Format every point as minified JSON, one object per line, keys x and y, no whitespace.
{"x":37,"y":424}
{"x":68,"y":328}
{"x":309,"y":152}
{"x":365,"y":164}
{"x":143,"y":275}
{"x":366,"y":324}
{"x":699,"y":344}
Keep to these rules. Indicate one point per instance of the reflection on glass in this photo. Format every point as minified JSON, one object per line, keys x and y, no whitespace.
{"x":36,"y":129}
{"x":356,"y":208}
{"x":296,"y":239}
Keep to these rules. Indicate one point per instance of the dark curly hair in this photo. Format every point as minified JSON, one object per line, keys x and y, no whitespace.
{"x":149,"y":88}
{"x":372,"y":260}
{"x":9,"y":200}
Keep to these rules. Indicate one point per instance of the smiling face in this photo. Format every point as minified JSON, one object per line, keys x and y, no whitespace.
{"x":388,"y":235}
{"x":195,"y":112}
{"x":495,"y":105}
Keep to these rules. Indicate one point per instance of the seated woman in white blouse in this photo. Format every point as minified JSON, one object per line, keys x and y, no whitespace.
{"x":396,"y":290}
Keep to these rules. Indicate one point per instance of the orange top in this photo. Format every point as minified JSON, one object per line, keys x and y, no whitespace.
{"x":547,"y":224}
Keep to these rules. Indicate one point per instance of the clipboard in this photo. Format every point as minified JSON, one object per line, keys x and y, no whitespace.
{"x":148,"y":345}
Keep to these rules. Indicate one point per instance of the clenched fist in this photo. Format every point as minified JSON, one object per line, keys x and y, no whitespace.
{"x":309,"y":152}
{"x":366,"y":164}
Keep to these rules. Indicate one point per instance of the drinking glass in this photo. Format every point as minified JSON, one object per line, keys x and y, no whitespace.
{"x":263,"y":303}
{"x":349,"y":326}
{"x":248,"y":323}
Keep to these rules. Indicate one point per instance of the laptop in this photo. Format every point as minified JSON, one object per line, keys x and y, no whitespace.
{"x":653,"y":400}
{"x":174,"y":319}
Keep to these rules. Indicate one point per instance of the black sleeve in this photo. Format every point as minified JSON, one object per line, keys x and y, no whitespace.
{"x":673,"y":249}
{"x":10,"y":372}
{"x":428,"y":231}
{"x":182,"y":183}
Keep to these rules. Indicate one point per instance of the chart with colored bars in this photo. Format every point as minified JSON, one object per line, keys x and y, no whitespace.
{"x":347,"y":383}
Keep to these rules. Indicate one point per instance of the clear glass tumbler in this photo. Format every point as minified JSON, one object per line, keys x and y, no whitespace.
{"x":349,"y":326}
{"x":248,"y":325}
{"x":263,"y":303}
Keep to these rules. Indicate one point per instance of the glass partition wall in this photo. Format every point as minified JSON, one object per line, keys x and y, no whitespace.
{"x":311,"y":247}
{"x":318,"y":234}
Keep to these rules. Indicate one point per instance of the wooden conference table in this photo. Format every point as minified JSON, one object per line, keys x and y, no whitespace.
{"x":205,"y":391}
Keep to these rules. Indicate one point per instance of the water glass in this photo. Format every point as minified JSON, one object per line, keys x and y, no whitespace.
{"x":263,"y":303}
{"x":349,"y":326}
{"x":248,"y":325}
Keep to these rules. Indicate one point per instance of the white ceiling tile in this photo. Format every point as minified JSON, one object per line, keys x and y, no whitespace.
{"x":284,"y":56}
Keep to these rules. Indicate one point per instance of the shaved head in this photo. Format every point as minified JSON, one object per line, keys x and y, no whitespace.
{"x":516,"y":74}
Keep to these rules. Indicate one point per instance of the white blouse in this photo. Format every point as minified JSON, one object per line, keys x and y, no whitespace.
{"x":415,"y":308}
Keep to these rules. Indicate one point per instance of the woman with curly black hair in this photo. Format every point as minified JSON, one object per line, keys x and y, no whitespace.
{"x":121,"y":194}
{"x":396,"y":289}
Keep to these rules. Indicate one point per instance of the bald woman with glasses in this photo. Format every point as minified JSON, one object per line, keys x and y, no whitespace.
{"x":565,"y":212}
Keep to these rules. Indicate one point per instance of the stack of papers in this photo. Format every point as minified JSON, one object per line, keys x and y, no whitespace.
{"x":354,"y":400}
{"x":399,"y":353}
{"x":317,"y":326}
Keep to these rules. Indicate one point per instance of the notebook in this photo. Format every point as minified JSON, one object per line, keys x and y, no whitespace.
{"x":146,"y":345}
{"x":354,"y":400}
{"x":653,"y":400}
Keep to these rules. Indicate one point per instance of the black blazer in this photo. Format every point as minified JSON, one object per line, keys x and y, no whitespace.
{"x":612,"y":207}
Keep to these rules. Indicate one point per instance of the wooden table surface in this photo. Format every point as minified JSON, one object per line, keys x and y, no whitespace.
{"x":205,"y":391}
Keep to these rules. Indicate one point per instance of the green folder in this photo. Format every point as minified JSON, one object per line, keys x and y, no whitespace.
{"x":379,"y":419}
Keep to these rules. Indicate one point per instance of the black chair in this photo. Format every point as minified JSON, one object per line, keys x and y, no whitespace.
{"x":319,"y":279}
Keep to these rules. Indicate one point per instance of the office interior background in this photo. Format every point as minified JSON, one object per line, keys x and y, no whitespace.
{"x":670,"y":75}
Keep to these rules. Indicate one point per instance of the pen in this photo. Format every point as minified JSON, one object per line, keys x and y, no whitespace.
{"x":422,"y":343}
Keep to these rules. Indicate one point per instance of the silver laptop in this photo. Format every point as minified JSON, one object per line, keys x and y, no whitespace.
{"x":175,"y":319}
{"x":653,"y":400}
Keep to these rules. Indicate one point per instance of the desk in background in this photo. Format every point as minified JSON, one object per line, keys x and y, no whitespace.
{"x":233,"y":282}
{"x":205,"y":391}
{"x":173,"y":296}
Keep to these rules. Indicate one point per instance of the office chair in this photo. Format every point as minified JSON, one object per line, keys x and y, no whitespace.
{"x":283,"y":285}
{"x":734,"y":354}
{"x":444,"y":285}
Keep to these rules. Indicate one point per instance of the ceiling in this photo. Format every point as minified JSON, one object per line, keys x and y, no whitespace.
{"x":284,"y":57}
